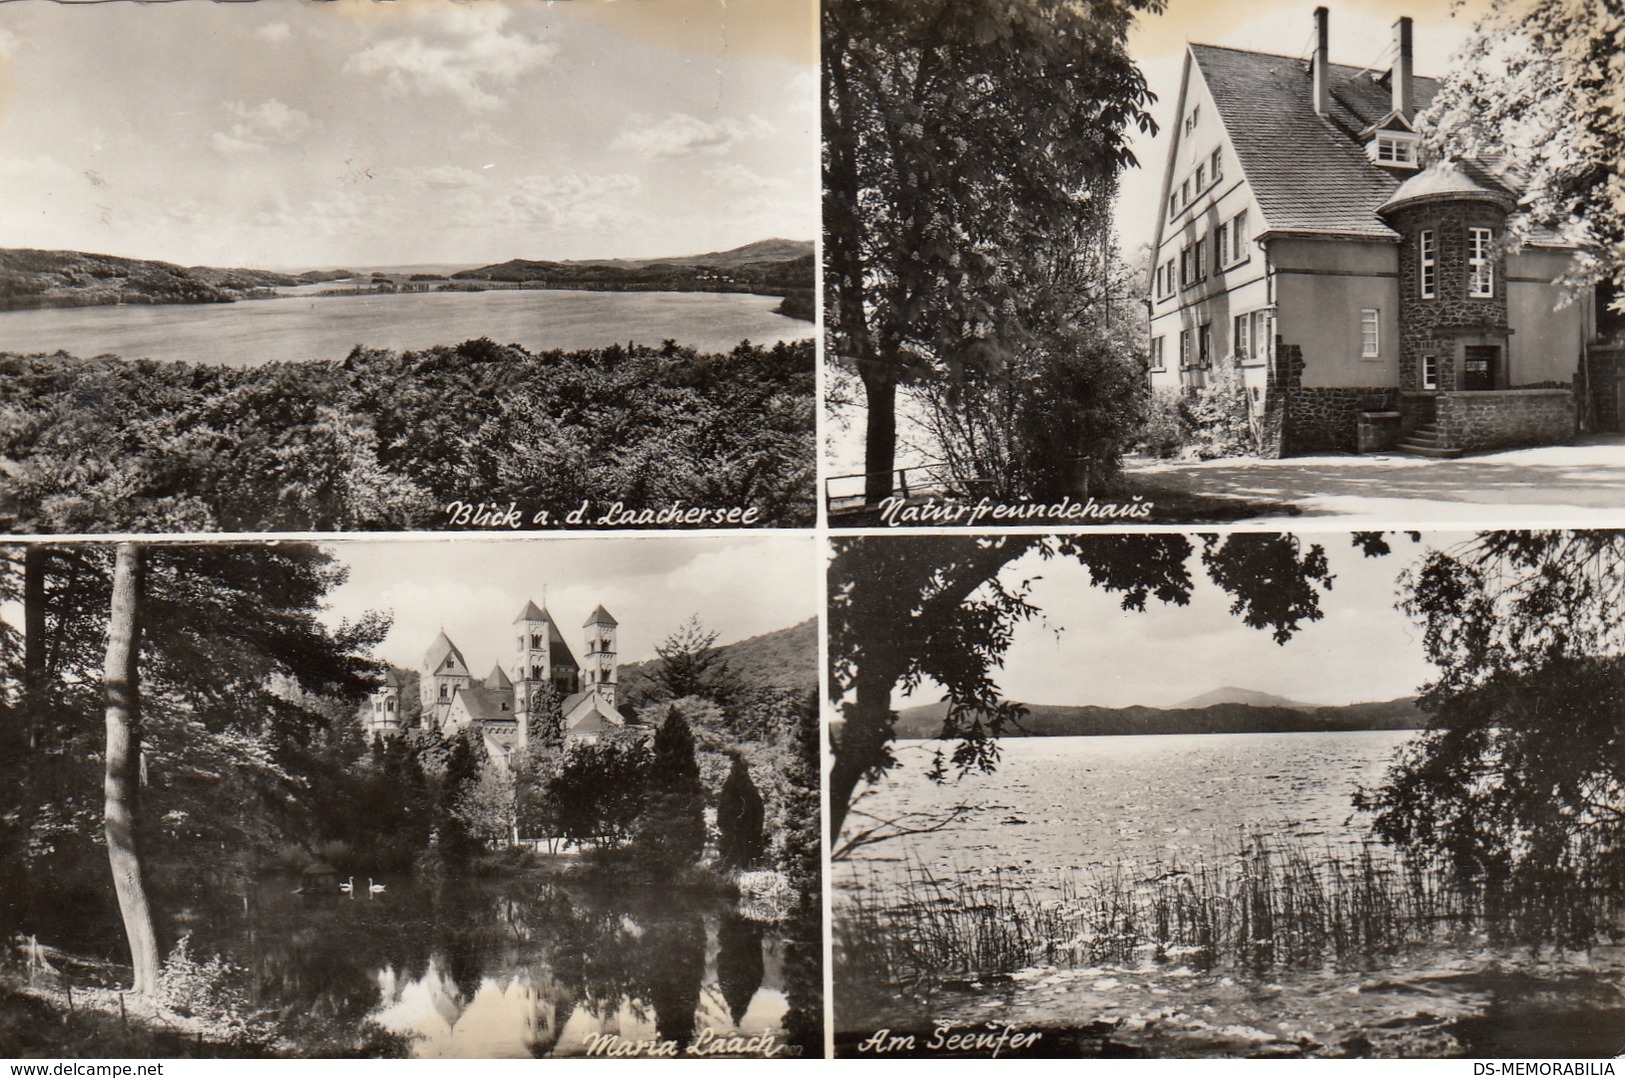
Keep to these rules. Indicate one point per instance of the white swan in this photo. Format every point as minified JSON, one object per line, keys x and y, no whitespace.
{"x":348,"y":887}
{"x":375,"y":888}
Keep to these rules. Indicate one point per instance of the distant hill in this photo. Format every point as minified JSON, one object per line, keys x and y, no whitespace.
{"x":1230,"y":694}
{"x":1047,"y":720}
{"x":769,"y":267}
{"x":787,"y":658}
{"x":31,"y":278}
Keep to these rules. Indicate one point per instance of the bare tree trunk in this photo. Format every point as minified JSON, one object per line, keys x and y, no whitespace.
{"x":34,"y":672}
{"x":122,"y":787}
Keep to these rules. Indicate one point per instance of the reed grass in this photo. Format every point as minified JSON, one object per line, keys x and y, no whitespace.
{"x":1260,"y":903}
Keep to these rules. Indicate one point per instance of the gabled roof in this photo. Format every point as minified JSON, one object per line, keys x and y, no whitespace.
{"x":1309,"y":172}
{"x":1449,"y":180}
{"x":600,"y":616}
{"x":532,"y":613}
{"x":496,"y":679}
{"x":435,"y":660}
{"x":593,"y":722}
{"x":392,"y":680}
{"x":483,"y":703}
{"x":558,"y":652}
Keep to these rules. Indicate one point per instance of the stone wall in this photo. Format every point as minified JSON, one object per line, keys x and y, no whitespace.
{"x":1322,"y":419}
{"x":1505,"y":418}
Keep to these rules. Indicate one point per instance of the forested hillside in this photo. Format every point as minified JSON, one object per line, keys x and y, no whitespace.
{"x":1044,"y":720}
{"x":786,"y":659}
{"x":30,"y":278}
{"x":386,"y":440}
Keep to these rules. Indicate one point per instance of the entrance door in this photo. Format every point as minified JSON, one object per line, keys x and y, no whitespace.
{"x":1481,"y":366}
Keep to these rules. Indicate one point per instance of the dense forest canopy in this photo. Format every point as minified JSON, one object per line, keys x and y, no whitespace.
{"x":387,"y":441}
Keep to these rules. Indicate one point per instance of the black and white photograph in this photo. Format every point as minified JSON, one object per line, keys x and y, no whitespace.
{"x":1141,"y":263}
{"x":1242,"y":796}
{"x":291,"y":267}
{"x":488,"y":798}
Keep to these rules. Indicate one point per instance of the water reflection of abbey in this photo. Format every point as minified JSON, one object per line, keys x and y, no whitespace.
{"x":506,"y":710}
{"x":674,"y":978}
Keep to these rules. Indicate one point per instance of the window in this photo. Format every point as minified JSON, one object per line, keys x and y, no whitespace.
{"x":1219,"y":247}
{"x":1185,"y":192}
{"x":1185,"y":267}
{"x":1170,"y":275}
{"x":1184,"y":348}
{"x":1156,"y":354}
{"x":1204,"y":345}
{"x":1199,"y":260}
{"x":535,"y":642}
{"x":1238,"y":237}
{"x":1243,"y":336}
{"x":1190,"y":121}
{"x":1263,"y":334}
{"x":389,"y":705}
{"x":1395,"y":150}
{"x":1201,"y":177}
{"x":1428,"y":259}
{"x":1173,"y":203}
{"x":1430,"y":372}
{"x":451,"y":661}
{"x":1368,"y":334}
{"x":535,"y":673}
{"x":1480,"y":270}
{"x":445,"y":690}
{"x":1213,"y":165}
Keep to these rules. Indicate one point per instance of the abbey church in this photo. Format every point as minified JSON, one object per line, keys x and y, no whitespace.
{"x":500,"y":707}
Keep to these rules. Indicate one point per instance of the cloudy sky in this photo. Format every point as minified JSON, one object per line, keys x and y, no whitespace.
{"x":1086,"y":650}
{"x":1361,"y":33}
{"x":282,"y":134}
{"x":741,"y":586}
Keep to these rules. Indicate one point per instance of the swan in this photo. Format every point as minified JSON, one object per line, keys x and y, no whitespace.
{"x":348,"y":887}
{"x":375,"y":888}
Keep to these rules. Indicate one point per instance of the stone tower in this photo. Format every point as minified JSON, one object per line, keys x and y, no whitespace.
{"x":444,"y":672}
{"x":600,"y":665}
{"x":1452,"y":280}
{"x":532,"y":666}
{"x":386,"y":717}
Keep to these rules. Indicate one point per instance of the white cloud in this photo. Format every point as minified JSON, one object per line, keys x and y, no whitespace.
{"x":463,"y":52}
{"x":682,"y":135}
{"x":9,"y":42}
{"x":736,"y":177}
{"x":258,"y":128}
{"x":273,"y":33}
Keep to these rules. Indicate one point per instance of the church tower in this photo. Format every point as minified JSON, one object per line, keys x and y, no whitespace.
{"x":531,"y":666}
{"x":444,"y":672}
{"x":600,"y":671}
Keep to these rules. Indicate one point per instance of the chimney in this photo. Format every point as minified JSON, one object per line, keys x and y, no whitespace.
{"x":1318,"y":68}
{"x":1400,"y":76}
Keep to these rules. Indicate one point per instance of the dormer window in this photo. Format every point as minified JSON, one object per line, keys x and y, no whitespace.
{"x":1396,"y":149}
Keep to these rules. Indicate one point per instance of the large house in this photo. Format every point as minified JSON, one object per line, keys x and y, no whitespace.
{"x":500,"y":707}
{"x":1361,"y":289}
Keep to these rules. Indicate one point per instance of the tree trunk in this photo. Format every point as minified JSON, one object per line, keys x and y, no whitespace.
{"x":35,"y":557}
{"x":122,"y":787}
{"x":862,"y":742}
{"x":880,"y":438}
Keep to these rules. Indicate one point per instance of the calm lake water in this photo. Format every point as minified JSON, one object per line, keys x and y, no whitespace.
{"x":1061,"y":812}
{"x":251,"y":332}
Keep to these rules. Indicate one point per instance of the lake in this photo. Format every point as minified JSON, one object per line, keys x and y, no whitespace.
{"x":1100,"y":856}
{"x":293,"y":327}
{"x":514,"y":967}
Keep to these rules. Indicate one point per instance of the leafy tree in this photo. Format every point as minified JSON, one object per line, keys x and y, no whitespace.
{"x":598,"y":791}
{"x":907,"y":608}
{"x":1539,"y":86}
{"x":488,"y":808}
{"x":959,"y":140}
{"x":1519,"y":780}
{"x":463,"y":766}
{"x":671,"y":826}
{"x":740,"y":842}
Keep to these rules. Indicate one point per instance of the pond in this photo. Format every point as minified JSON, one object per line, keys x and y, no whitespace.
{"x":516,"y":966}
{"x":1180,"y":896}
{"x":251,"y":332}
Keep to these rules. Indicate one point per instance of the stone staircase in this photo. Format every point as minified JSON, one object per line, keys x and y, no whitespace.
{"x":1426,"y":441}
